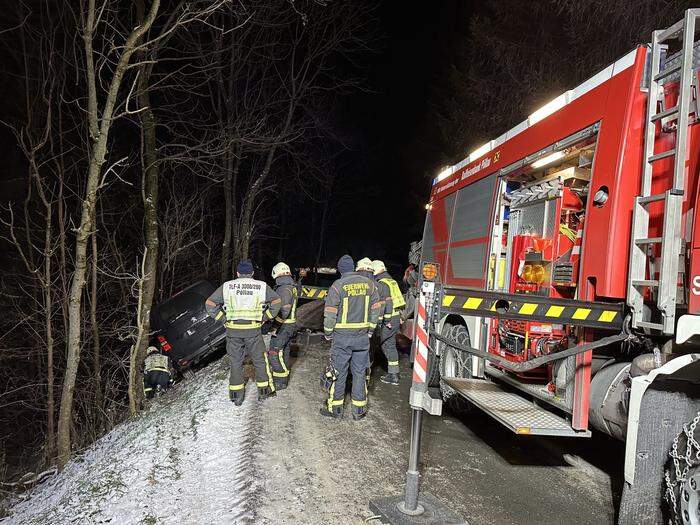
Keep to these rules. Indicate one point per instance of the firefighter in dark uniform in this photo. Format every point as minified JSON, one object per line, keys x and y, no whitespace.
{"x":156,"y":373}
{"x":246,"y":303}
{"x":390,"y":321}
{"x":350,"y":316}
{"x":280,"y":344}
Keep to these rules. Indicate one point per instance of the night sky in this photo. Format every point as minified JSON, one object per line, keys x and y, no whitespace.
{"x":399,"y":157}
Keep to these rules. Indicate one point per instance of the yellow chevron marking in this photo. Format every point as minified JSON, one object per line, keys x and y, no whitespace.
{"x":554,"y":311}
{"x":322,"y":294}
{"x":581,"y":313}
{"x":607,"y":316}
{"x":493,"y":306}
{"x":472,"y":303}
{"x":447,"y":300}
{"x":528,"y":308}
{"x":309,"y":292}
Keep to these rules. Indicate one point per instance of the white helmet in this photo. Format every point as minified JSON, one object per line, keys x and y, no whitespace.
{"x":378,"y":267}
{"x":364,"y":264}
{"x":280,"y":269}
{"x":151,"y":350}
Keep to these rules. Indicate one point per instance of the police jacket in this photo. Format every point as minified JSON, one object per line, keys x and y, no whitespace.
{"x":289,"y":293}
{"x":246,"y":303}
{"x":352,"y":306}
{"x":390,"y":293}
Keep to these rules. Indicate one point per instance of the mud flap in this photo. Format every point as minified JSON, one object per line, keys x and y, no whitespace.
{"x":666,"y":403}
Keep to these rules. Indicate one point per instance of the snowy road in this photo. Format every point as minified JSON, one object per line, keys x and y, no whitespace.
{"x":197,"y":459}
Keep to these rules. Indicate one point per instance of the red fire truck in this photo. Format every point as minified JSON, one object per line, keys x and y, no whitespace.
{"x":568,"y":258}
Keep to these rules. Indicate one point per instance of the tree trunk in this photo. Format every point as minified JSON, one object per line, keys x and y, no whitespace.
{"x":99,"y":127}
{"x":150,"y":258}
{"x":48,"y":306}
{"x":96,"y":357}
{"x":228,"y":217}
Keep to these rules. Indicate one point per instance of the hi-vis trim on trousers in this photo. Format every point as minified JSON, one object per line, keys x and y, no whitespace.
{"x":313,"y":292}
{"x":533,"y":308}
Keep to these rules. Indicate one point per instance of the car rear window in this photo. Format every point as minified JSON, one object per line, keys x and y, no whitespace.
{"x":185,"y":303}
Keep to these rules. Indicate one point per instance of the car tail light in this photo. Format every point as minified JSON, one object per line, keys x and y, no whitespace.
{"x":164,"y":344}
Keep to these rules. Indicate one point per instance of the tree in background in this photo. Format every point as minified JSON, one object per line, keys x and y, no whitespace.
{"x":512,"y":57}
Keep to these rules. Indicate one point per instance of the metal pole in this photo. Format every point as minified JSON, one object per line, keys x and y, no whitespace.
{"x":410,"y":504}
{"x":419,"y":388}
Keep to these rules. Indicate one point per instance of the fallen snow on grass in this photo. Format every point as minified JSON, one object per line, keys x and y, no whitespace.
{"x":188,"y":459}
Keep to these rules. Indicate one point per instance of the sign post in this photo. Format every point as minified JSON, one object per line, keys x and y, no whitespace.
{"x":414,"y":507}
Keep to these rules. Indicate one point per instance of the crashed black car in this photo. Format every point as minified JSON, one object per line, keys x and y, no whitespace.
{"x":183,"y":329}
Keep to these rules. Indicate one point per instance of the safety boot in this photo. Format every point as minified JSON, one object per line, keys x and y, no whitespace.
{"x":336,"y":412}
{"x":237,"y":396}
{"x":390,"y":379}
{"x":280,"y":383}
{"x":265,"y":392}
{"x":359,"y":413}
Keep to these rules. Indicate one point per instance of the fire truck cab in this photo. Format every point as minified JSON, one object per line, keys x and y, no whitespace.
{"x":580,"y":229}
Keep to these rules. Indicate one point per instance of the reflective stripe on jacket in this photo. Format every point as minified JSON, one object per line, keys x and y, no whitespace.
{"x":156,"y":362}
{"x":289,"y":294}
{"x":352,"y":305}
{"x":397,"y":300}
{"x":246,"y":302}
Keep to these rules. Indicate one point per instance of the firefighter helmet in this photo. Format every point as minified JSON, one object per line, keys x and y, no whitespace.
{"x":378,"y":267}
{"x":364,"y":264}
{"x":152,"y":350}
{"x":280,"y":269}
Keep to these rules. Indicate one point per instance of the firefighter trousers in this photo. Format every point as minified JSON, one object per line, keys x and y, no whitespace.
{"x":280,"y":351}
{"x":154,"y":380}
{"x":237,"y":347}
{"x":349,"y":354}
{"x":387,"y":336}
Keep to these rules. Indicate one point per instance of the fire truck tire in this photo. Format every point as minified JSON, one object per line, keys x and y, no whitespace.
{"x":454,"y":364}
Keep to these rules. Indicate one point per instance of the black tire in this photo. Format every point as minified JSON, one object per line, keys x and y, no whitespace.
{"x":455,"y":363}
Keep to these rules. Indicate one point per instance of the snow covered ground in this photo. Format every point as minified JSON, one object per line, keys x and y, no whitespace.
{"x":195,"y":458}
{"x":189,"y":459}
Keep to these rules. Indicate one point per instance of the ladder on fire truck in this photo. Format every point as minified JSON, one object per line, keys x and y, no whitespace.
{"x":666,"y":286}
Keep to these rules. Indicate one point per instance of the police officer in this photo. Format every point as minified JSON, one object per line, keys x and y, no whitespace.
{"x":156,"y":374}
{"x":390,"y":293}
{"x":280,"y":344}
{"x":350,"y":316}
{"x":246,"y":303}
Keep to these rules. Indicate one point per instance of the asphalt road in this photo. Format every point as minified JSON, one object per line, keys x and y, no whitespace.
{"x":319,"y":470}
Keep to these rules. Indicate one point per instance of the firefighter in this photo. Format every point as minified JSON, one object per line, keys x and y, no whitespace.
{"x":364,"y":267}
{"x":350,"y":316}
{"x":410,"y":278}
{"x":245,"y":303}
{"x":390,"y":294}
{"x":156,"y":374}
{"x":280,"y":344}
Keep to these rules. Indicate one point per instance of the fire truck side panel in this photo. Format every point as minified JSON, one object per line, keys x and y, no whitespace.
{"x":693,"y":277}
{"x":579,"y":114}
{"x":437,"y":230}
{"x":469,"y":235}
{"x":617,"y":167}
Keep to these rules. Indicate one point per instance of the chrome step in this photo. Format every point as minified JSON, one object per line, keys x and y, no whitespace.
{"x":512,"y":410}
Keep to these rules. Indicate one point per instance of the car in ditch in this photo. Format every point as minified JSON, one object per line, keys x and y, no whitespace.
{"x":182,"y":328}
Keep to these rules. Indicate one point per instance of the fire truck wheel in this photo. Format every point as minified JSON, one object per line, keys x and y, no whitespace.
{"x":455,"y":363}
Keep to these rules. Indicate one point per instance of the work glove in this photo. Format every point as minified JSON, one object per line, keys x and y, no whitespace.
{"x":388,"y":325}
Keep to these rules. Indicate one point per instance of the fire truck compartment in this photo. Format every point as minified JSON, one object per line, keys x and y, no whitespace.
{"x":512,"y":410}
